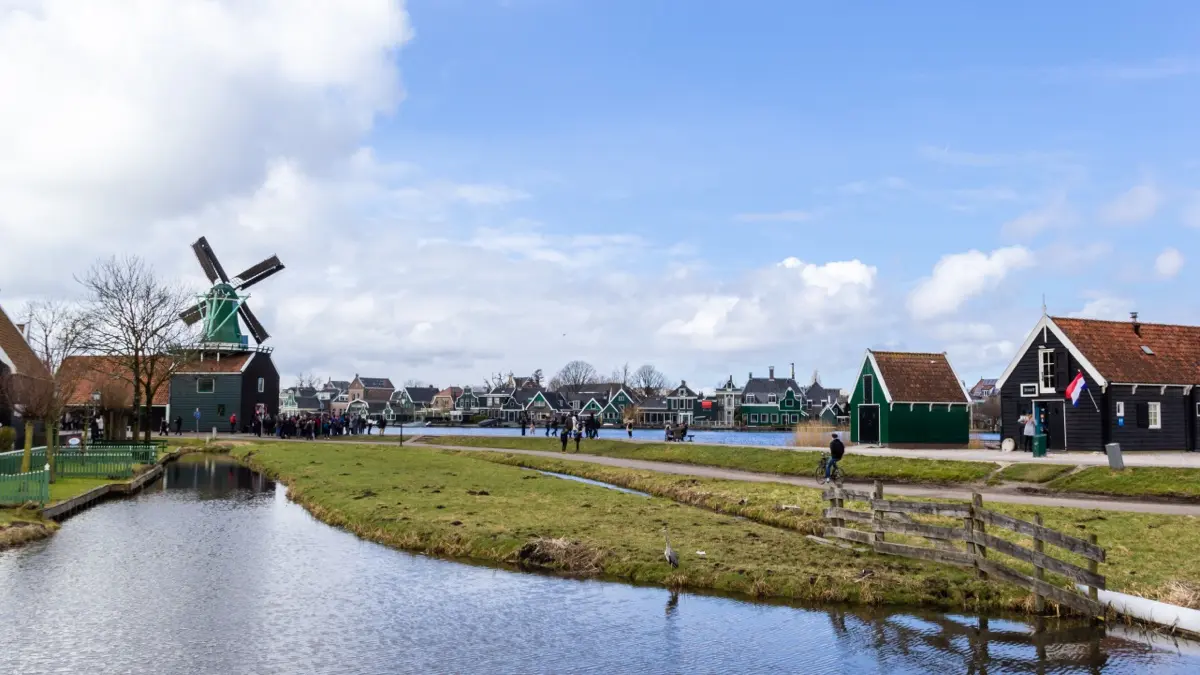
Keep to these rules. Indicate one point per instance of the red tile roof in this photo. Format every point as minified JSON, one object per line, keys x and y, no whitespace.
{"x":913,"y":377}
{"x":1115,"y":349}
{"x":86,"y":374}
{"x":229,"y":363}
{"x":18,"y":351}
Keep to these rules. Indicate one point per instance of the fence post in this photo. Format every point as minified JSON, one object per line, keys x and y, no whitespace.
{"x":978,"y":526}
{"x":876,"y":515}
{"x":1039,"y":572}
{"x":834,"y":503}
{"x":1094,"y":568}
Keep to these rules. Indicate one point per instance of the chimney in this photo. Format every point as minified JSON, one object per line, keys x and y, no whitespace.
{"x":751,"y":377}
{"x":771,"y":372}
{"x":1137,"y":327}
{"x":793,"y":370}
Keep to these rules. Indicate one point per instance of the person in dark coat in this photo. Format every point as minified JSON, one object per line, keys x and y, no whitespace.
{"x":836,"y":451}
{"x":563,"y":436}
{"x":179,"y":425}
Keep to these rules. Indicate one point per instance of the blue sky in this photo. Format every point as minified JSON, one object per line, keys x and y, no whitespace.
{"x":464,"y":186}
{"x":670,"y":118}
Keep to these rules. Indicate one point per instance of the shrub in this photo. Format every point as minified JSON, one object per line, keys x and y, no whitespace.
{"x":8,"y":436}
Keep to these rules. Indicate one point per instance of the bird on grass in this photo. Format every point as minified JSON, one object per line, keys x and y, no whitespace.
{"x":668,"y":552}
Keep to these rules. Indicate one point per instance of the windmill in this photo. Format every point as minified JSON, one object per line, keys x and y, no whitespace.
{"x":224,"y":302}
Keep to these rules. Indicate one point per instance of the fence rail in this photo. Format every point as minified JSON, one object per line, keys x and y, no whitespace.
{"x":896,"y":517}
{"x":72,"y":462}
{"x":20,"y":488}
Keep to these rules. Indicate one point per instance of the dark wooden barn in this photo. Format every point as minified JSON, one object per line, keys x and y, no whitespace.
{"x":221,"y":384}
{"x":1140,"y":385}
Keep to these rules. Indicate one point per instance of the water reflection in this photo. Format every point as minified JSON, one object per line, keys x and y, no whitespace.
{"x":217,"y":572}
{"x":214,"y":477}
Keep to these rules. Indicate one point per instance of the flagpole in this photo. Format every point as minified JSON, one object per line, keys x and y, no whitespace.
{"x":1089,"y":391}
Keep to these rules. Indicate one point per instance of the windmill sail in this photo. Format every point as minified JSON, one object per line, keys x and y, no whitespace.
{"x":259,"y":272}
{"x":208,"y":260}
{"x":256,"y":328}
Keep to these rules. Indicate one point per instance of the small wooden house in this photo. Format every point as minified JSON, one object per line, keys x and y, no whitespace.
{"x":909,"y":399}
{"x":1140,"y":385}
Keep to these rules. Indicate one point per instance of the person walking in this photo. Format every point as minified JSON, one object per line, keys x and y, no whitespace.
{"x":233,"y":423}
{"x":563,"y":437}
{"x":629,"y":428}
{"x":179,"y":425}
{"x":164,"y":428}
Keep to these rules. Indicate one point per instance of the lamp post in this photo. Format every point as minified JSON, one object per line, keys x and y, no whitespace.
{"x":92,"y":419}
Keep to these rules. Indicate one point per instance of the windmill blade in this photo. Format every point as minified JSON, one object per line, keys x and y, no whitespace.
{"x":192,"y":314}
{"x":259,"y":272}
{"x":256,"y":329}
{"x":208,"y":260}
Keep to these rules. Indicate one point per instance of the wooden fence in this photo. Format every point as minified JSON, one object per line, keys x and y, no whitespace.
{"x":900,"y":517}
{"x":71,"y":462}
{"x":21,"y":488}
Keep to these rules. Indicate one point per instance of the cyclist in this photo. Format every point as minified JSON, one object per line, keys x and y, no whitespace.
{"x":836,"y":450}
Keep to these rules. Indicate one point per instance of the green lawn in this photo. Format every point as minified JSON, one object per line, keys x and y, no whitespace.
{"x":1133,"y":481}
{"x":1147,"y":554}
{"x":66,"y":488}
{"x":1033,"y":473}
{"x":462,"y":506}
{"x":763,"y":460}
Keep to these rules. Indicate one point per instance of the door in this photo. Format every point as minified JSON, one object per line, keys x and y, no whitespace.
{"x":1051,"y":418}
{"x":868,"y":424}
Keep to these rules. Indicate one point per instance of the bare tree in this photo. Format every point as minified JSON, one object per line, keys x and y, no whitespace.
{"x":133,"y":316}
{"x":574,"y":376}
{"x":56,"y":332}
{"x":497,"y":380}
{"x":649,"y":381}
{"x":308,"y":381}
{"x":621,"y":375}
{"x":537,"y":377}
{"x":416,"y":383}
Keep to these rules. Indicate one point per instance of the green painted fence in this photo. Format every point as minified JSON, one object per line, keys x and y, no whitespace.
{"x":21,"y":488}
{"x":106,"y":462}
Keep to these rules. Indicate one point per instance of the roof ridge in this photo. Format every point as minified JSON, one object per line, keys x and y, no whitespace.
{"x":1124,"y":322}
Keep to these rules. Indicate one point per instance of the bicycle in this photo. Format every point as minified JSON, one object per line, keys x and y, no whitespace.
{"x":837,"y":475}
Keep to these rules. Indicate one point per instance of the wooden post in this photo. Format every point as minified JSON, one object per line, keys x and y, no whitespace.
{"x":1039,"y":572}
{"x":878,"y":516}
{"x":835,"y":503}
{"x":1094,"y":568}
{"x":978,"y":526}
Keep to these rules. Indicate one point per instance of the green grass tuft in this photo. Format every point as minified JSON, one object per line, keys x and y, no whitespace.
{"x":1139,"y":481}
{"x":1033,"y":473}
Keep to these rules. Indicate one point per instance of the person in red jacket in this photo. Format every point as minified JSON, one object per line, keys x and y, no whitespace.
{"x":233,"y":423}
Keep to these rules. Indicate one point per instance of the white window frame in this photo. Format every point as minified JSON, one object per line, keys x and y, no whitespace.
{"x":1046,"y":357}
{"x":753,"y":418}
{"x":1029,"y":390}
{"x":213,"y":380}
{"x":1198,"y":410}
{"x":868,"y":385}
{"x":1120,"y":408}
{"x":262,"y":384}
{"x":1154,"y":415}
{"x":774,"y":418}
{"x":772,"y":398}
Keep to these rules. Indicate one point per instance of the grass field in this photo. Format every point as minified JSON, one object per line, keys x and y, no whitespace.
{"x":763,"y":460}
{"x":1149,"y":555}
{"x":461,"y":506}
{"x":1033,"y":473}
{"x":1133,"y":481}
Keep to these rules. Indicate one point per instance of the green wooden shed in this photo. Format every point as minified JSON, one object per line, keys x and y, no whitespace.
{"x":909,"y":399}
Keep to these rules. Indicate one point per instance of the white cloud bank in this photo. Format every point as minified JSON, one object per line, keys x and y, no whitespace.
{"x":958,"y":277}
{"x":1136,"y":205}
{"x":1168,"y":263}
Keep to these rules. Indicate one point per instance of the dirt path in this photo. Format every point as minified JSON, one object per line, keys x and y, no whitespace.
{"x":926,"y":491}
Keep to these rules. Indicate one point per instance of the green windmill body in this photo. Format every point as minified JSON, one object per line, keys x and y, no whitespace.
{"x":220,"y":315}
{"x":221,"y":306}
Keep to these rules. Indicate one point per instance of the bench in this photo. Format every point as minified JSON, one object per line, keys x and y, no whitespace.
{"x":691,"y":437}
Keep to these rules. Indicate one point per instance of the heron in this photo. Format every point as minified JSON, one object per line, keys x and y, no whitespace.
{"x":668,"y":552}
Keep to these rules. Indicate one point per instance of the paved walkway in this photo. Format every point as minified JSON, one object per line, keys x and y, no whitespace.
{"x":925,"y":491}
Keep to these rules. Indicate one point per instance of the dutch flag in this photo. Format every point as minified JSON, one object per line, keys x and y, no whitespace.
{"x":1075,"y":389}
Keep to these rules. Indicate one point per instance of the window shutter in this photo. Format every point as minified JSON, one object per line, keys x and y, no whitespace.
{"x":1143,"y":415}
{"x":1062,"y":371}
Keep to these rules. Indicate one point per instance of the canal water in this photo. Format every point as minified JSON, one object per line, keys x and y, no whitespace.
{"x":721,"y":437}
{"x":215,"y":571}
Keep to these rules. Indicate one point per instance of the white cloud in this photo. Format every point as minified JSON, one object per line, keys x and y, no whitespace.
{"x":776,"y":217}
{"x":1168,"y":263}
{"x":1135,"y":205}
{"x":1056,"y":213}
{"x":958,"y":277}
{"x":790,"y":301}
{"x":1104,"y":306}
